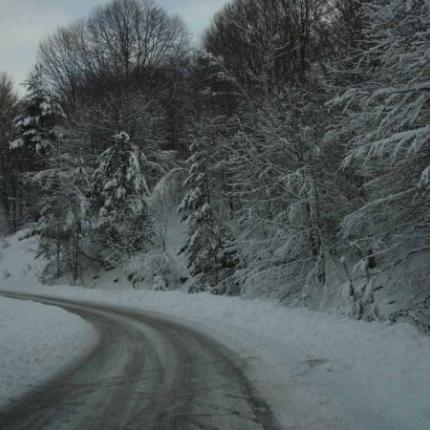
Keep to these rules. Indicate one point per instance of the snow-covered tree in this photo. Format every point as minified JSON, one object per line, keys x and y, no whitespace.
{"x":63,"y":215}
{"x":34,"y":138}
{"x":389,"y":109}
{"x":388,"y":128}
{"x":118,"y":192}
{"x":35,"y":127}
{"x":210,"y":248}
{"x":51,"y":223}
{"x":284,"y":179}
{"x":9,"y":194}
{"x":37,"y":147}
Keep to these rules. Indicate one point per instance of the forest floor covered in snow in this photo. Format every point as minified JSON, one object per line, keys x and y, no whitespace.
{"x":36,"y":341}
{"x":316,"y":370}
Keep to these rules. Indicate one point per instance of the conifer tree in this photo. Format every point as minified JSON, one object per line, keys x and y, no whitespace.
{"x":118,"y":191}
{"x":35,"y":138}
{"x":35,"y":127}
{"x":37,"y":146}
{"x":210,"y":248}
{"x":8,"y":167}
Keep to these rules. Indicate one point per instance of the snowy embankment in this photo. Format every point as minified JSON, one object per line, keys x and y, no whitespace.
{"x":36,"y":341}
{"x":317,"y":371}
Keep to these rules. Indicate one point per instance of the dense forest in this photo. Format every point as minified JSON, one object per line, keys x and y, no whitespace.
{"x":293,"y":146}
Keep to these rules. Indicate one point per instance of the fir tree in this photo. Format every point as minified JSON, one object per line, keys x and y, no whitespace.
{"x":36,"y":128}
{"x":37,"y":145}
{"x":35,"y":138}
{"x":118,"y":193}
{"x":210,"y":249}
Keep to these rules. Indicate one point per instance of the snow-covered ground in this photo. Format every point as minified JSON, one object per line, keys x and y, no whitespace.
{"x":318,"y":371}
{"x":36,"y":341}
{"x":18,"y":260}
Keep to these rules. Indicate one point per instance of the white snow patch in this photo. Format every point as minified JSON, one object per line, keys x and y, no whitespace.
{"x":18,"y":258}
{"x":36,"y":342}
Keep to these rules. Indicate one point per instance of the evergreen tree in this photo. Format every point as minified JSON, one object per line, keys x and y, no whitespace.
{"x":37,"y":149}
{"x":36,"y":135}
{"x":118,"y":193}
{"x":8,"y":165}
{"x":210,"y":248}
{"x":35,"y":128}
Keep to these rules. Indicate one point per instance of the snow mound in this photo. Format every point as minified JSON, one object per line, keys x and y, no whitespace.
{"x":36,"y":341}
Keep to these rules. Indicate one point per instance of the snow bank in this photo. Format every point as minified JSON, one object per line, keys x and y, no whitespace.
{"x":36,"y":341}
{"x":18,"y":258}
{"x":318,"y":371}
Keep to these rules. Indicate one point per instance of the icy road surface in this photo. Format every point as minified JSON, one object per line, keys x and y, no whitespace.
{"x":145,"y":372}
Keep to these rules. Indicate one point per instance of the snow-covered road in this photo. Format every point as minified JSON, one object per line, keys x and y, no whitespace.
{"x":315,"y":371}
{"x":144,"y":372}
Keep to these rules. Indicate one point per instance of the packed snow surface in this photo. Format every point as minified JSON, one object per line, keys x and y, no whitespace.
{"x":36,"y":341}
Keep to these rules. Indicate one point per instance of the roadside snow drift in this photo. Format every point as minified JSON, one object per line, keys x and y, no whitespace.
{"x":36,"y":341}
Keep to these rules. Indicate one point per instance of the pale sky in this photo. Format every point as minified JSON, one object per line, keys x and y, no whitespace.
{"x":24,"y":23}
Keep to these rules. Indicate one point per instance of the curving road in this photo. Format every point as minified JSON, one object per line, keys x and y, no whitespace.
{"x":144,"y":373}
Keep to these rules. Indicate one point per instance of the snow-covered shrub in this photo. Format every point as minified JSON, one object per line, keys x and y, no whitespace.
{"x":154,"y":270}
{"x":52,"y":270}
